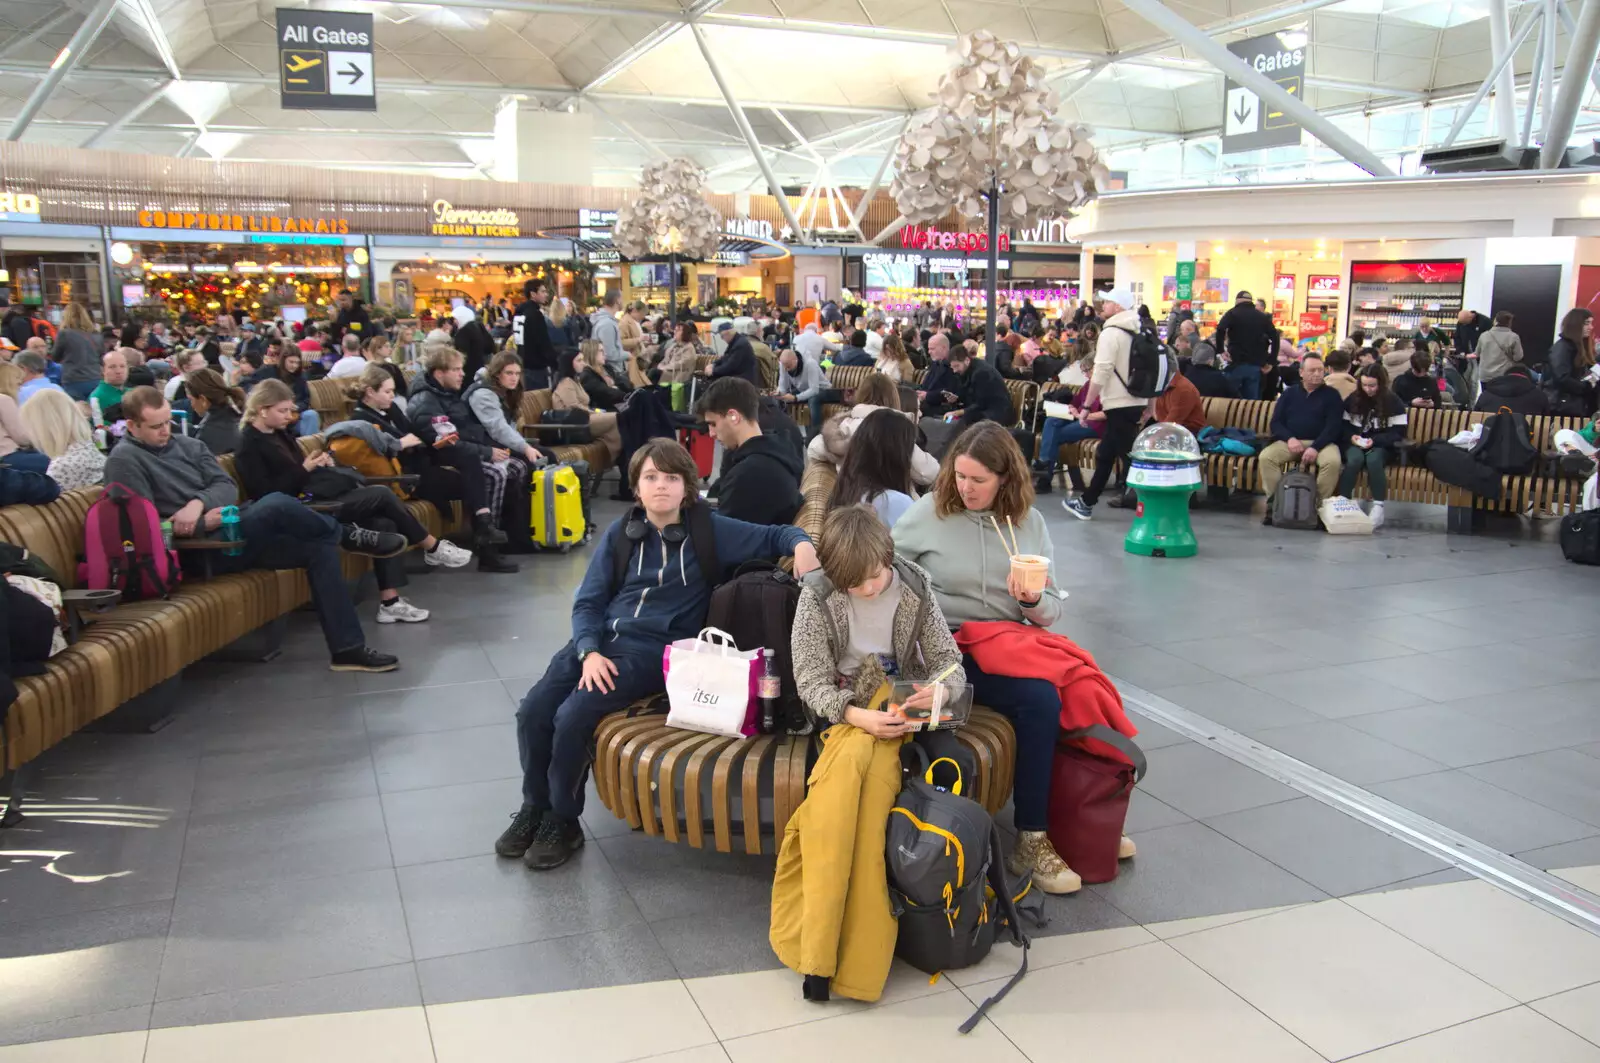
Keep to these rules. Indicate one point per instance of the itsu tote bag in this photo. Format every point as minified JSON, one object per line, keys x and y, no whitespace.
{"x":711,"y":684}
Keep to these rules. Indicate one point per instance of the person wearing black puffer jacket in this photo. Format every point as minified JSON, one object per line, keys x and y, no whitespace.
{"x":1515,"y":390}
{"x":442,"y":419}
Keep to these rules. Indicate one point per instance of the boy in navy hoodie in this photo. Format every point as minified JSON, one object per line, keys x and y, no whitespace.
{"x":645,"y":588}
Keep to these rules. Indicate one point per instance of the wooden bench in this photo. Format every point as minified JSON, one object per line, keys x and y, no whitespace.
{"x":1407,"y":483}
{"x":695,"y":788}
{"x":132,"y":648}
{"x":535,"y":404}
{"x":711,"y":791}
{"x":329,"y":400}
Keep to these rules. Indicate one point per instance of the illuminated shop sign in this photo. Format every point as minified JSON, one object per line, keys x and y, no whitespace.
{"x":759,"y":230}
{"x":938,"y":265}
{"x":241,"y":223}
{"x":19,"y":206}
{"x":450,"y":220}
{"x":605,"y":256}
{"x":296,"y":241}
{"x":927,"y":238}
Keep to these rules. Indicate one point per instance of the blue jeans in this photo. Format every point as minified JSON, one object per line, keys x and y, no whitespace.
{"x":1247,"y":378}
{"x":816,"y":402}
{"x":279,"y":532}
{"x":1058,"y":432}
{"x":556,"y":721}
{"x":80,"y":390}
{"x":310,"y":423}
{"x":1034,"y":709}
{"x":26,"y":460}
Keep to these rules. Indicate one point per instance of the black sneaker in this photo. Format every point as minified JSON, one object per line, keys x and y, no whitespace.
{"x":1267,"y":520}
{"x":553,"y":843}
{"x":363,"y":659}
{"x":517,"y":837}
{"x":358,"y":540}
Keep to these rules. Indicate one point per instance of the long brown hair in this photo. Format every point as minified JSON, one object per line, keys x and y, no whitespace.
{"x":894,"y":349}
{"x":878,"y":390}
{"x":1088,"y":338}
{"x":510,"y":401}
{"x":1363,"y":407}
{"x":991,"y":446}
{"x":879,"y":459}
{"x":208,"y":384}
{"x":1572,"y":329}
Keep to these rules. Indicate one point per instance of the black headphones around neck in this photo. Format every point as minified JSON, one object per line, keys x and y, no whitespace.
{"x":638,"y":527}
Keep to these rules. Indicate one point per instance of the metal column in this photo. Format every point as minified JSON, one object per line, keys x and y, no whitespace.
{"x":1505,"y":81}
{"x":1157,"y":14}
{"x":749,"y":134}
{"x":1547,"y":110}
{"x":1582,"y":50}
{"x":1546,"y":40}
{"x":1502,"y":64}
{"x":81,"y":42}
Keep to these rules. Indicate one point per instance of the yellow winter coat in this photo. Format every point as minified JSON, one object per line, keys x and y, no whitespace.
{"x":830,"y":899}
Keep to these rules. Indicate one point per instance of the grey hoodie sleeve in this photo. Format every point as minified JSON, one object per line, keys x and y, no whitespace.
{"x":368,"y":433}
{"x":486,"y":408}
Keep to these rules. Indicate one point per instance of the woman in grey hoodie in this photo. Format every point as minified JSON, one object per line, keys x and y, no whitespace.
{"x":953,"y":533}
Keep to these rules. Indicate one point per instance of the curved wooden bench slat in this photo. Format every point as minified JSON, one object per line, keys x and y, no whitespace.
{"x":693,"y":817}
{"x":668,"y":781}
{"x":659,"y":778}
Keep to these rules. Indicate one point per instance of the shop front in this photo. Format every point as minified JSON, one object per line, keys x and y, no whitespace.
{"x":954,"y":271}
{"x":471,"y":256}
{"x":266,"y":276}
{"x":47,"y":266}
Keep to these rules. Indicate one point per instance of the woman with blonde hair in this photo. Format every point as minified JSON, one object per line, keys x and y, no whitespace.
{"x":62,"y":433}
{"x":219,"y":407}
{"x":14,"y":437}
{"x":78,"y":350}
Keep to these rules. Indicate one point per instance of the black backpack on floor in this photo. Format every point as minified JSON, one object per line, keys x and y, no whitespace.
{"x":947,"y":878}
{"x":757,"y":608}
{"x":1506,"y":445}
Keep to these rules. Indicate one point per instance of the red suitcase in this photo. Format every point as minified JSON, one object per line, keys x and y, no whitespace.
{"x":701,"y":447}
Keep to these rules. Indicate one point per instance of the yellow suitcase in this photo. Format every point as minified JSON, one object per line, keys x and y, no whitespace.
{"x":556,"y":504}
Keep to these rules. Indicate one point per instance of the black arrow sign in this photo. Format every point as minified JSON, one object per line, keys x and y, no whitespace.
{"x":352,"y":72}
{"x":1242,"y":113}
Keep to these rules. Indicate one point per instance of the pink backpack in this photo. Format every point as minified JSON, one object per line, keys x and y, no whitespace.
{"x":124,"y":549}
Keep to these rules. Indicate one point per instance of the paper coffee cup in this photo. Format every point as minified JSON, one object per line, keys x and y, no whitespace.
{"x":1032,"y":572}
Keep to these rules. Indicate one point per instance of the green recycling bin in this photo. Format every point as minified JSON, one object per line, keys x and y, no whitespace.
{"x":1165,"y":470}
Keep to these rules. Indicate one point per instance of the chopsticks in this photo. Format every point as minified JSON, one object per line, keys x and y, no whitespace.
{"x":1011,"y":547}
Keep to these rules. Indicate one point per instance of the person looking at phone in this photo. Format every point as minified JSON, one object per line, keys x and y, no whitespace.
{"x":866,"y":617}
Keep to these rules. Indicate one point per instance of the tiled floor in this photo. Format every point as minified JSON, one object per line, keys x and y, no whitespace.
{"x":300,"y":864}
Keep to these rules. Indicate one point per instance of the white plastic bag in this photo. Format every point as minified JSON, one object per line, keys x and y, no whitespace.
{"x":1468,"y":439}
{"x":1073,"y":376}
{"x":711,"y":684}
{"x":1343,"y":516}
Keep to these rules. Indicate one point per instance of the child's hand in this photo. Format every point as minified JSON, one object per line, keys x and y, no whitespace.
{"x":922,"y":699}
{"x":890,"y":724}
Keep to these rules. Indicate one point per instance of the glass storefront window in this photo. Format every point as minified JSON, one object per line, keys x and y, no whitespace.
{"x":208,"y":279}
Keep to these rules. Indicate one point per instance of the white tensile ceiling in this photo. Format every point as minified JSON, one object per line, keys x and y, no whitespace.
{"x":842,"y":71}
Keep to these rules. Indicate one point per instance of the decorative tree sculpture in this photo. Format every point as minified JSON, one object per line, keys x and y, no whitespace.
{"x":669,"y":216}
{"x":994,"y":147}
